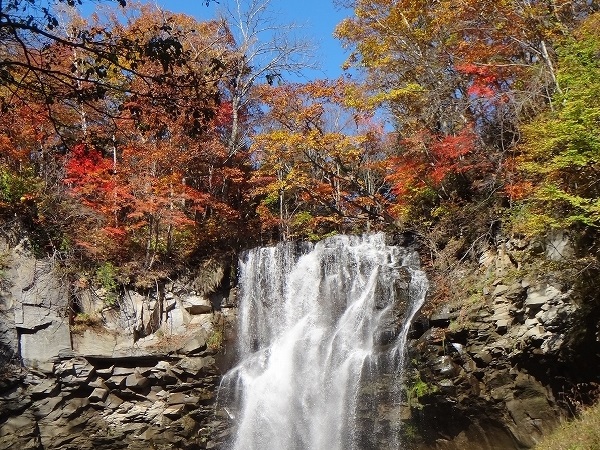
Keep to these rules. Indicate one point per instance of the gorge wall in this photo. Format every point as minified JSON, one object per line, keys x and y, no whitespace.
{"x":512,"y":355}
{"x":493,"y":365}
{"x":82,"y":369}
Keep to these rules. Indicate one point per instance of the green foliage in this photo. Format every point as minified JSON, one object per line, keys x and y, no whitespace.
{"x":106,"y":276}
{"x":302,"y":224}
{"x":527,"y":220}
{"x":421,"y":389}
{"x":417,"y":389}
{"x":418,"y":206}
{"x":562,"y":149}
{"x":302,"y":219}
{"x":215,"y":340}
{"x":409,"y":432}
{"x":14,"y":188}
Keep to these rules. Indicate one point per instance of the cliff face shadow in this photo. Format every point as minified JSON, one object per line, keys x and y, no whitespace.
{"x":10,"y":366}
{"x":9,"y":353}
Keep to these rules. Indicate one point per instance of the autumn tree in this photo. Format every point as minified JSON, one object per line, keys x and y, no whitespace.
{"x":459,"y":79}
{"x":439,"y":65}
{"x":29,"y":29}
{"x":165,"y":175}
{"x":266,"y":52}
{"x":52,"y":56}
{"x":53,"y":59}
{"x":431,"y":174}
{"x":400,"y":48}
{"x":17,"y":167}
{"x":558,"y":185}
{"x":320,"y":161}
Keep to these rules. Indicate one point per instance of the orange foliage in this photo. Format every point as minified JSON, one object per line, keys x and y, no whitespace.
{"x":320,"y":161}
{"x":519,"y":190}
{"x":428,"y":160}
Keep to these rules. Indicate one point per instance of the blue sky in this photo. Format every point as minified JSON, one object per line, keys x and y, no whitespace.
{"x":317,"y":18}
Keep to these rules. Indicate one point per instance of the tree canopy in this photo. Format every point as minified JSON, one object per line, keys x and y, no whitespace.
{"x":146,"y":138}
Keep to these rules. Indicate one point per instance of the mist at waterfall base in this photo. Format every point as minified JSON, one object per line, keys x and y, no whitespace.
{"x":316,"y":325}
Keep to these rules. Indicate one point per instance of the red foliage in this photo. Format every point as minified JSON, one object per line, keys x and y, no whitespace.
{"x":484,"y":81}
{"x":86,"y":165}
{"x":428,"y":160}
{"x":406,"y":176}
{"x":90,"y":177}
{"x":449,"y":154}
{"x":224,"y":115}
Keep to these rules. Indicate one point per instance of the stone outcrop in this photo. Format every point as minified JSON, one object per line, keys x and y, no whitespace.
{"x":34,"y":309}
{"x":494,"y":368}
{"x":85,"y":368}
{"x":499,"y":371}
{"x":159,"y":401}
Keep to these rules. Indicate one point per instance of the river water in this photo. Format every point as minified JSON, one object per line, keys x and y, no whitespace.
{"x":314,"y":323}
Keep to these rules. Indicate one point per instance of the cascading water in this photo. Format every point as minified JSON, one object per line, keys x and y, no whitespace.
{"x":313,"y":322}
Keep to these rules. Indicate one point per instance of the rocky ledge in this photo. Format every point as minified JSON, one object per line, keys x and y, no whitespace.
{"x":156,"y":402}
{"x":501,"y":369}
{"x":82,"y":369}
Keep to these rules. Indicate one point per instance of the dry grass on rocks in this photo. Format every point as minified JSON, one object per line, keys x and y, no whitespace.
{"x":582,"y":433}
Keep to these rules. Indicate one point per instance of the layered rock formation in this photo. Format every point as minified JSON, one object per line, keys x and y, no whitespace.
{"x":159,"y":402}
{"x":499,"y":370}
{"x":138,"y":371}
{"x":494,"y":367}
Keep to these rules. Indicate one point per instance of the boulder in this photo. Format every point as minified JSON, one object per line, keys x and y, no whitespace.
{"x":119,"y":371}
{"x":195,"y":344}
{"x":540,"y":295}
{"x":135,"y":381}
{"x":112,"y":401}
{"x":75,"y":371}
{"x":116,"y":381}
{"x":194,"y":366}
{"x":197,"y":305}
{"x":98,"y":395}
{"x":499,"y":290}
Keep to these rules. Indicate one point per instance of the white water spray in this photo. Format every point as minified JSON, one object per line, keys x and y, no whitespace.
{"x":312,"y":321}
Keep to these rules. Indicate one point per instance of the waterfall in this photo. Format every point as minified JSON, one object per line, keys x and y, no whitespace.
{"x":314,"y":321}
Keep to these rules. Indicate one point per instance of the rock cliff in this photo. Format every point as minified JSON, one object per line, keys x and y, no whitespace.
{"x":82,"y":370}
{"x":499,"y":365}
{"x":494,"y":364}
